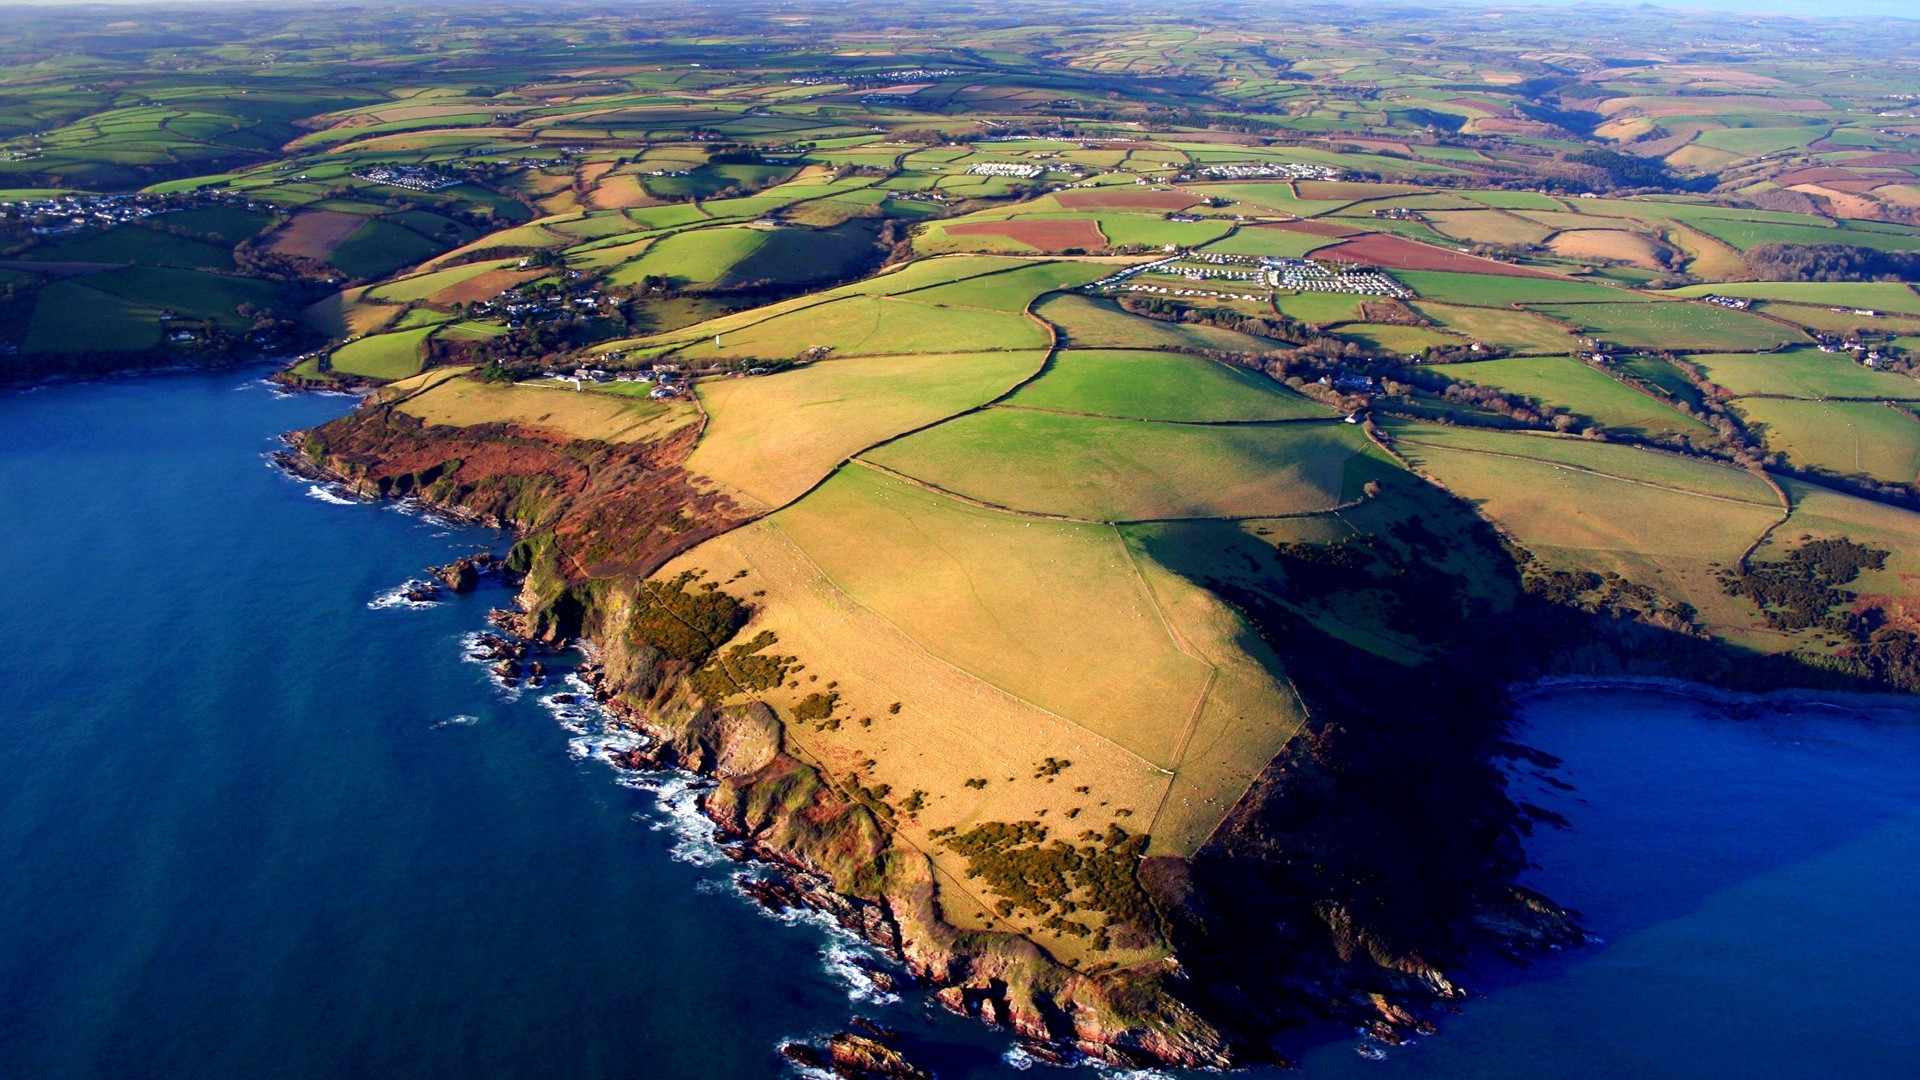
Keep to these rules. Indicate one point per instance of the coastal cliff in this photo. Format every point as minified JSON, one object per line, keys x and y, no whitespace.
{"x":1369,"y":859}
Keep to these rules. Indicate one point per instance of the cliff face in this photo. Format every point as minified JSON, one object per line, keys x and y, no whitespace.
{"x":1372,"y":853}
{"x":610,"y":510}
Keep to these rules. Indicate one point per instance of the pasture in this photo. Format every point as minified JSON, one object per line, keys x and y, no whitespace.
{"x":1803,"y":373}
{"x":1487,"y":290}
{"x":1848,"y":438}
{"x":874,"y":326}
{"x":1145,"y":385}
{"x":556,"y":411}
{"x":69,"y":317}
{"x":1392,"y":338}
{"x":1877,"y":295}
{"x":387,"y":357}
{"x":1087,"y":322}
{"x":1100,"y":469}
{"x":1673,"y":326}
{"x":1269,"y":241}
{"x":1513,"y":330}
{"x":1010,"y":290}
{"x":1578,"y":388}
{"x":1658,"y":524}
{"x":772,"y":437}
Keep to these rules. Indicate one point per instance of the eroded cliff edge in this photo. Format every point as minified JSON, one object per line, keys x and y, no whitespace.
{"x":1364,"y":863}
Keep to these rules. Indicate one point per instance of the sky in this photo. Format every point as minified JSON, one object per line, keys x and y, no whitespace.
{"x":1906,"y":9}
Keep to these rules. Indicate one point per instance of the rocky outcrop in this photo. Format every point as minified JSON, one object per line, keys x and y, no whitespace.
{"x":855,"y":1057}
{"x":463,"y":574}
{"x":1369,"y":855}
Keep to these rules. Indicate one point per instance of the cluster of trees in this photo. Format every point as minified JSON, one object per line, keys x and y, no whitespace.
{"x":1628,"y":171}
{"x":1832,"y":262}
{"x":1274,"y":327}
{"x":1040,"y":877}
{"x":1799,"y":591}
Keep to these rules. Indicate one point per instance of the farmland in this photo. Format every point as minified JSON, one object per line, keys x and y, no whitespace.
{"x":1159,"y":386}
{"x":1845,"y":438}
{"x":1580,"y":389}
{"x":1080,"y":479}
{"x":1676,"y":326}
{"x":1100,"y":469}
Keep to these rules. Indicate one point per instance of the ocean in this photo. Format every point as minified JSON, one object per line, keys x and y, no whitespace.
{"x":260,"y":817}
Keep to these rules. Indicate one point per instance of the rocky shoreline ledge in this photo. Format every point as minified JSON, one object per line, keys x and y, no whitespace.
{"x":1377,"y":850}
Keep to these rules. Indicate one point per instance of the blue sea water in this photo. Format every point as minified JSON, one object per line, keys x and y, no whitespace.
{"x":256,"y":822}
{"x":252,"y":827}
{"x":1754,"y":878}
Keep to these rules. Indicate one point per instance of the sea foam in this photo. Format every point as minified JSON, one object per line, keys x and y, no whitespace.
{"x":396,"y":597}
{"x":332,"y":494}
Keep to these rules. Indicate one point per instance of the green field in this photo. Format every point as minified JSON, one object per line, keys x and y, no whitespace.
{"x":383,"y":356}
{"x":1390,"y":338}
{"x":874,"y":326}
{"x":133,"y":244}
{"x":1850,"y":438}
{"x":1160,"y":386}
{"x":1152,"y":232}
{"x":1011,"y":290}
{"x":1513,"y":330}
{"x":380,"y":248}
{"x":187,"y":292}
{"x":1682,"y":327}
{"x":1319,"y":308}
{"x":1746,"y":235}
{"x":1877,"y":295}
{"x":1651,"y":468}
{"x":771,"y":438}
{"x":1098,"y":469}
{"x":1100,"y":324}
{"x":68,"y":317}
{"x":1607,"y":503}
{"x":697,"y":257}
{"x":1278,"y":243}
{"x":1804,"y":373}
{"x":1578,"y":388}
{"x":1497,"y":290}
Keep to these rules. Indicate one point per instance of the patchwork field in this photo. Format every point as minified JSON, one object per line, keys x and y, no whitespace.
{"x":1024,"y":513}
{"x":1086,"y":322}
{"x":382,"y":356}
{"x":1803,"y":373}
{"x":771,"y":438}
{"x":1664,"y":524}
{"x":873,"y":326}
{"x":1578,"y":388}
{"x":1160,"y":386}
{"x":1099,"y":469}
{"x":1683,"y":327}
{"x":1515,"y":330}
{"x":558,"y":411}
{"x":1847,"y":438}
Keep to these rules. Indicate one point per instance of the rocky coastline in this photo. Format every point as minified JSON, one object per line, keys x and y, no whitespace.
{"x":1361,"y":959}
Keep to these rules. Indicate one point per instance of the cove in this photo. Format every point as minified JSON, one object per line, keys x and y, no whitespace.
{"x":1753,"y":874}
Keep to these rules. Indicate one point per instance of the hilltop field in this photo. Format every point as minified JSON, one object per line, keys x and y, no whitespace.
{"x":1081,"y":485}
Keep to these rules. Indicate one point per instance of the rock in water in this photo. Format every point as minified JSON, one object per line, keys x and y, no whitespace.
{"x":857,"y":1057}
{"x":460,"y":575}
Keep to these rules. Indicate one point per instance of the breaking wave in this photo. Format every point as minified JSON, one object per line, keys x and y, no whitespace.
{"x":397,"y":597}
{"x":331,"y":494}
